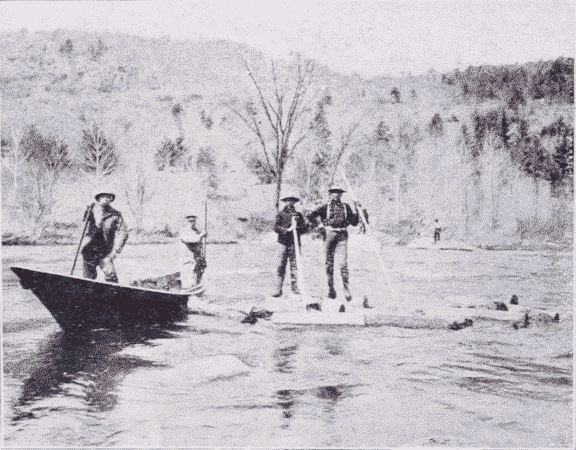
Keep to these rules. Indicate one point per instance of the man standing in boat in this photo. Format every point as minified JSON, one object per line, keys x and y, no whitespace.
{"x":335,"y":216}
{"x":192,"y":258}
{"x":108,"y":234}
{"x":284,"y":224}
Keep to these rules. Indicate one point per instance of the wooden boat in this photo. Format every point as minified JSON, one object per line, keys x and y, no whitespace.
{"x":79,"y":304}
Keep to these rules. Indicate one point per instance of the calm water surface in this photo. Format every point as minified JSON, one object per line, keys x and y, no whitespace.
{"x":215,"y":382}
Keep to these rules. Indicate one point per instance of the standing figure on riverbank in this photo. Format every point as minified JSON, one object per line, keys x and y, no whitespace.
{"x":335,"y":217}
{"x":285,"y":221}
{"x":437,"y":230}
{"x":192,"y":258}
{"x":108,"y":234}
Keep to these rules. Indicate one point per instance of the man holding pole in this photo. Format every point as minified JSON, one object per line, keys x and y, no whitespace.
{"x":286,"y":220}
{"x":192,"y":256}
{"x":335,"y":217}
{"x":108,"y":234}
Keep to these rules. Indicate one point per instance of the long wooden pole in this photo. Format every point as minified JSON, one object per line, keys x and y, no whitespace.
{"x":299,"y":267}
{"x":82,"y":237}
{"x":205,"y":227}
{"x":368,"y":230}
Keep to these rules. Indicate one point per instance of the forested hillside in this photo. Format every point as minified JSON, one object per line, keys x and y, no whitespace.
{"x":168,"y":124}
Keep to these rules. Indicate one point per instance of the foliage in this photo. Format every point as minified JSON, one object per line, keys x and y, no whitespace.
{"x":550,"y":80}
{"x":170,"y":154}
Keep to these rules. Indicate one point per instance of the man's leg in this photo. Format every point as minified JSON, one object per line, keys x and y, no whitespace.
{"x":282,"y":258}
{"x":293,"y":270}
{"x":89,"y":269}
{"x":187,"y":275}
{"x":329,"y":249}
{"x":342,"y":251}
{"x":109,"y":270}
{"x":200,"y":266}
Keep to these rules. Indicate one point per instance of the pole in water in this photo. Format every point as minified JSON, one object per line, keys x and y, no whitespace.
{"x":88,"y":211}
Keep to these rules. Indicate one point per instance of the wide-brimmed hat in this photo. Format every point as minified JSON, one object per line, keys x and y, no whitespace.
{"x":336,"y":188}
{"x":190,"y":214}
{"x":290,"y":195}
{"x":99,"y":192}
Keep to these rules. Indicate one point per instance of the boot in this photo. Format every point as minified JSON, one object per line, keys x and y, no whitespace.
{"x":278,"y":292}
{"x":345,"y":280}
{"x":330,"y":274}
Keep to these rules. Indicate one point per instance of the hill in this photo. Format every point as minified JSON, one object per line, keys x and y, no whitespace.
{"x":173,"y":101}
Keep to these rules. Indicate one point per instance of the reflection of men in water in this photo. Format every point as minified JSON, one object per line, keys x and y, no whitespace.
{"x":437,"y":230}
{"x":335,"y":217}
{"x":108,"y":234}
{"x":284,"y":224}
{"x":192,"y":258}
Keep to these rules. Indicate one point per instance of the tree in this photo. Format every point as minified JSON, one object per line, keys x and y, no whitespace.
{"x":99,"y":158}
{"x":282,"y":111}
{"x":67,"y":49}
{"x":138,"y":192}
{"x":47,"y":159}
{"x":14,"y":157}
{"x":170,"y":154}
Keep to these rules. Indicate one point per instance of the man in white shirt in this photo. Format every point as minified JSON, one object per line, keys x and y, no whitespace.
{"x":192,"y":258}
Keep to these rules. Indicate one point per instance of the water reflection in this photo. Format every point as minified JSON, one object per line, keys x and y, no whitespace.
{"x":81,"y":372}
{"x":284,"y":358}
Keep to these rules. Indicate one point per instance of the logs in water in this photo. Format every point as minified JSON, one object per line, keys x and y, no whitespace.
{"x":358,"y":312}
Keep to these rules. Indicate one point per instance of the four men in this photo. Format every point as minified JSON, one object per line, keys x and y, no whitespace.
{"x":108,"y":234}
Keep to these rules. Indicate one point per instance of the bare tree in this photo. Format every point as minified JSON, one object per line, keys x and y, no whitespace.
{"x":138,"y":192}
{"x":99,"y":156}
{"x":283,"y":113}
{"x":48,"y":158}
{"x":14,"y":158}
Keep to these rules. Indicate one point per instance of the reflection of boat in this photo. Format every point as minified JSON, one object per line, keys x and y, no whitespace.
{"x":82,"y":304}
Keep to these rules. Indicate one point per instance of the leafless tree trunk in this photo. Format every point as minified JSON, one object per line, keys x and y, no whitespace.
{"x":284,"y":114}
{"x":345,"y":140}
{"x":15,"y":159}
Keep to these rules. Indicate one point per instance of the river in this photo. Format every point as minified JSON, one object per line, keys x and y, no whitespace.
{"x":211,"y":382}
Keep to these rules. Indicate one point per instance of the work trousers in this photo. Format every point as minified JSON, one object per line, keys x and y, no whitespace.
{"x":336,"y":243}
{"x":287,"y":253}
{"x":191,"y":270}
{"x":105,"y":264}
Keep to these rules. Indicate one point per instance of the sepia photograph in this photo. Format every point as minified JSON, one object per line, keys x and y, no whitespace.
{"x":279,"y":225}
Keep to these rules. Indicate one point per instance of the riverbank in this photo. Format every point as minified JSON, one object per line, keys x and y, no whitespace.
{"x":164,"y":237}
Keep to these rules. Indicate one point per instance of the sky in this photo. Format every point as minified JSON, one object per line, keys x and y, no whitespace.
{"x":368,"y":38}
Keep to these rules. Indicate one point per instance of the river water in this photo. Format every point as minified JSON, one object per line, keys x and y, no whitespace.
{"x":215,"y":382}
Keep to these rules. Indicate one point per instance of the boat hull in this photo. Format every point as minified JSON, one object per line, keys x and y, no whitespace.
{"x":83,"y":304}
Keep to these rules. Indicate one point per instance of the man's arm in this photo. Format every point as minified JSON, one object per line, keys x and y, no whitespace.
{"x":120,"y":238}
{"x":317,"y":213}
{"x":353,"y":216}
{"x":189,"y":236}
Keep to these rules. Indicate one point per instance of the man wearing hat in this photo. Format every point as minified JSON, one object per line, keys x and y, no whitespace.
{"x":192,"y":259}
{"x":285,"y":221}
{"x":335,"y":217}
{"x":108,"y":234}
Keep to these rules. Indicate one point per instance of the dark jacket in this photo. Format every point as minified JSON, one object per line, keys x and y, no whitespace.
{"x":341,"y":215}
{"x":107,"y":237}
{"x":284,"y":221}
